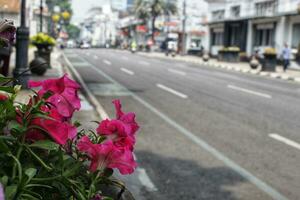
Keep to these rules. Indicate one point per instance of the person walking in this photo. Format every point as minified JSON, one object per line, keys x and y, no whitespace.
{"x":286,"y":55}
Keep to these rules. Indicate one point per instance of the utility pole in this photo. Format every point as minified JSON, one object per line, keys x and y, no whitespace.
{"x":22,"y":42}
{"x":41,"y":15}
{"x":183,"y":28}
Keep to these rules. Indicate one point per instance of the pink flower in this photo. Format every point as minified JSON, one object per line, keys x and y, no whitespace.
{"x":107,"y":155}
{"x":2,"y":197}
{"x":3,"y":97}
{"x":64,"y":97}
{"x":121,"y":130}
{"x":57,"y":128}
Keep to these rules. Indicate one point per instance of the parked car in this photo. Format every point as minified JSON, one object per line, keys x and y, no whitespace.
{"x":85,"y":45}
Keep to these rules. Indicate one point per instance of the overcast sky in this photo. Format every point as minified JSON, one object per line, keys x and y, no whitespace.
{"x":81,"y":7}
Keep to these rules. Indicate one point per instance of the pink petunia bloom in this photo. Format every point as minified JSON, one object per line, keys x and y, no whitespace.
{"x":3,"y":97}
{"x":2,"y":197}
{"x":57,"y":128}
{"x":122,"y":129}
{"x":64,"y":97}
{"x":107,"y":155}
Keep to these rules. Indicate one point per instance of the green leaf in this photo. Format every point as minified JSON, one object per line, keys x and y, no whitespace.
{"x":4,"y":79}
{"x":3,"y":147}
{"x":7,"y":89}
{"x":38,"y":158}
{"x":45,"y":144}
{"x":30,"y":172}
{"x":10,"y":191}
{"x":4,"y":180}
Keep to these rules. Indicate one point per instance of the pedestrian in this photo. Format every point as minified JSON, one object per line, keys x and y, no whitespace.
{"x":286,"y":55}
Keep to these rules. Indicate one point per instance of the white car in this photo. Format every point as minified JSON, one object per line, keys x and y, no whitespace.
{"x":85,"y":45}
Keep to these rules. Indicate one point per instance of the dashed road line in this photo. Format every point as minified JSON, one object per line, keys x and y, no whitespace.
{"x":107,"y":62}
{"x":177,"y":72}
{"x":163,"y":87}
{"x":145,"y":180}
{"x":285,"y":140}
{"x":127,"y":71}
{"x":249,"y":91}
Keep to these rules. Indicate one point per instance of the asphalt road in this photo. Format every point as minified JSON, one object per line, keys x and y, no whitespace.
{"x":206,"y":133}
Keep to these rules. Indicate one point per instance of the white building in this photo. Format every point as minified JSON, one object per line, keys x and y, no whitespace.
{"x":196,"y":14}
{"x":253,"y":25}
{"x":100,"y":27}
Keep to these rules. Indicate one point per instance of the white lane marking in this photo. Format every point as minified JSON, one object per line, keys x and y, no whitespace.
{"x":285,"y":140}
{"x":172,"y":91}
{"x":145,"y":180}
{"x":177,"y":72}
{"x":107,"y":62}
{"x":249,"y":91}
{"x":95,"y":57}
{"x":124,"y":58}
{"x":127,"y":71}
{"x":144,"y":63}
{"x":203,"y":144}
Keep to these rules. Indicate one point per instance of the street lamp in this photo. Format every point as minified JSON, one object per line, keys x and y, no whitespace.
{"x":41,"y":15}
{"x":21,"y":72}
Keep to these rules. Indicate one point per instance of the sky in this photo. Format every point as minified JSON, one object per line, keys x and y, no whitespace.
{"x":81,"y":7}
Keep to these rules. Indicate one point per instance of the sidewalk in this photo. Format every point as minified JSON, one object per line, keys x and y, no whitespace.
{"x":242,"y":67}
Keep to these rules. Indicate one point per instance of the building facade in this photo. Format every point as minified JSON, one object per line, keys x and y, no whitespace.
{"x":253,"y":25}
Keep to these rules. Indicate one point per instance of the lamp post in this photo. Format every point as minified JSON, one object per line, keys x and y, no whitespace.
{"x":22,"y":41}
{"x":41,"y":15}
{"x":184,"y":28}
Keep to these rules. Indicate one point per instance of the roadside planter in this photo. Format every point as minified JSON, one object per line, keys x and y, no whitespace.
{"x":254,"y":63}
{"x":270,"y":60}
{"x":44,"y":44}
{"x":46,"y":155}
{"x":205,"y":57}
{"x":229,"y":54}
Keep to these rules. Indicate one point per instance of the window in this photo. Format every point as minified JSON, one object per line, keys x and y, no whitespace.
{"x":264,"y":36}
{"x":218,"y":14}
{"x":235,"y":11}
{"x":296,"y":36}
{"x":266,"y":8}
{"x":217,"y":38}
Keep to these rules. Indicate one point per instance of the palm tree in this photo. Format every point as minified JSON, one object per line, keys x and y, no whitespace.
{"x":151,"y":9}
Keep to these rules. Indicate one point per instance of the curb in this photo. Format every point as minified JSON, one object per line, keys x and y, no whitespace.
{"x":236,"y":69}
{"x":99,"y":108}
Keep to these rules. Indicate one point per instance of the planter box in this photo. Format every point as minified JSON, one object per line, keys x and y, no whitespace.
{"x":229,"y":56}
{"x":45,"y":54}
{"x":269,"y":62}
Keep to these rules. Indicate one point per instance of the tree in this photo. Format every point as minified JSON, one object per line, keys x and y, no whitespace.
{"x":73,"y":31}
{"x":152,"y":9}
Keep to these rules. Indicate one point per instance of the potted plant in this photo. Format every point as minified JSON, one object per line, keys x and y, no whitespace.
{"x":205,"y":57}
{"x":270,"y":60}
{"x":44,"y":44}
{"x":229,"y":54}
{"x":45,"y":155}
